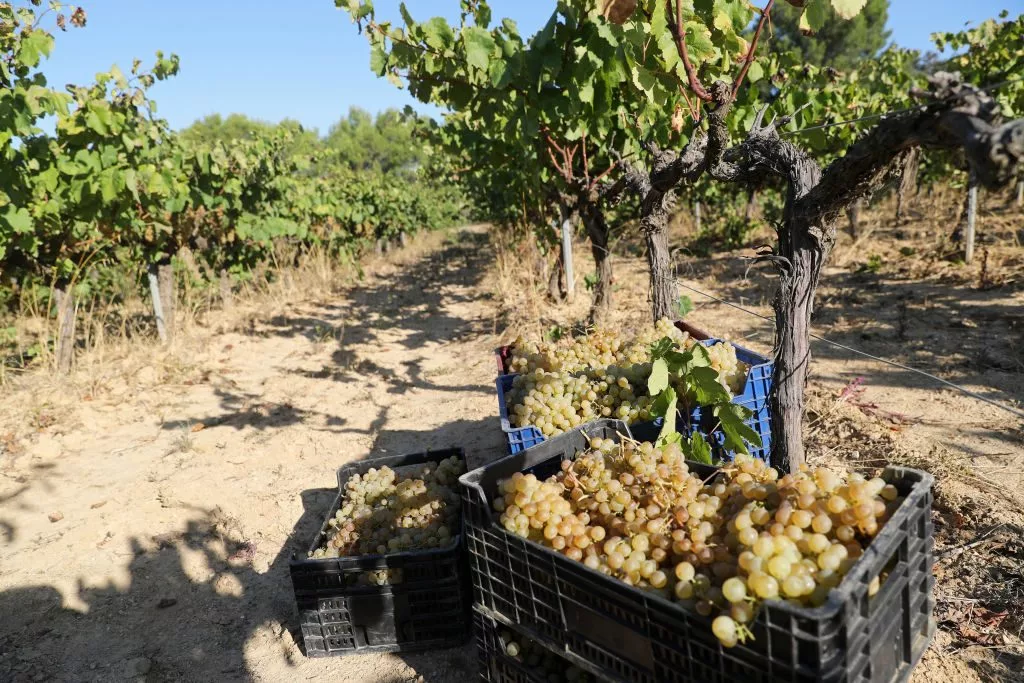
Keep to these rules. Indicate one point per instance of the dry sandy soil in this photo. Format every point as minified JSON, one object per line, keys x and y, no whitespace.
{"x":147,"y":514}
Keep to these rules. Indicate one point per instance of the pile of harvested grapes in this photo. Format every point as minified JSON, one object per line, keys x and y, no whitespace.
{"x":564,"y":384}
{"x":384,"y":511}
{"x":634,"y":511}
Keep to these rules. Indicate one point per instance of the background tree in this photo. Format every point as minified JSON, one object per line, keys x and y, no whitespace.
{"x":530,"y":106}
{"x":386,"y":143}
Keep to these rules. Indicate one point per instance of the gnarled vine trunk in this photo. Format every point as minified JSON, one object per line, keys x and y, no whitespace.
{"x":655,"y":215}
{"x":807,"y":250}
{"x":804,"y":247}
{"x":597,"y":231}
{"x":556,"y":278}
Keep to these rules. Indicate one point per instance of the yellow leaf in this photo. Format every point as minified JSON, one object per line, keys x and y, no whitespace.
{"x":618,"y":11}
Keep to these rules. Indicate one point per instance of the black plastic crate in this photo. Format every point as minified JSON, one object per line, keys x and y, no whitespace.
{"x":498,"y":666}
{"x":426,"y":606}
{"x":622,"y":633}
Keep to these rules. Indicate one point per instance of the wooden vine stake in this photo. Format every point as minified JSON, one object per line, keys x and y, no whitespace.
{"x":67,"y":311}
{"x":972,"y":215}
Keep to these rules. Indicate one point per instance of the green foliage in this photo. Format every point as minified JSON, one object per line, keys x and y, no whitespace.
{"x":113,"y":184}
{"x":837,"y":44}
{"x":681,"y":379}
{"x":391,"y":142}
{"x":872,"y":265}
{"x":683,"y":306}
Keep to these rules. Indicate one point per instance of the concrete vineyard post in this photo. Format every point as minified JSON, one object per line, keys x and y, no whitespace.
{"x":154,"y":293}
{"x":567,"y":257}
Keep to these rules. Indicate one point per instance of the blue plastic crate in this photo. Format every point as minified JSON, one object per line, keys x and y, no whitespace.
{"x":754,"y":396}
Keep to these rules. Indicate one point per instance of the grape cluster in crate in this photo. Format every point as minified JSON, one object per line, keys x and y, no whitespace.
{"x":712,"y":392}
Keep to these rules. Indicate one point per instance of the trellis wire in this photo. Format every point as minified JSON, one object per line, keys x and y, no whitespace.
{"x":882,"y":115}
{"x":959,"y":388}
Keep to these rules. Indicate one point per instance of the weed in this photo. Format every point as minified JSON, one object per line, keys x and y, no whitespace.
{"x":873,"y":265}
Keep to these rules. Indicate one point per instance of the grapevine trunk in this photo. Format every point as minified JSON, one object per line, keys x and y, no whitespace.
{"x":663,"y":284}
{"x":597,"y":230}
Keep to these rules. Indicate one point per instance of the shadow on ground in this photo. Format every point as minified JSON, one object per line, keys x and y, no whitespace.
{"x":960,"y":333}
{"x":189,"y":602}
{"x":193,"y":599}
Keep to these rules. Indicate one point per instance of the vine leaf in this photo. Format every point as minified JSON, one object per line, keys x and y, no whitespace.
{"x":848,"y":9}
{"x":665,"y":406}
{"x":18,"y":219}
{"x":658,"y":381}
{"x":706,"y":387}
{"x":700,"y":449}
{"x":479,"y":45}
{"x":816,"y":15}
{"x":737,"y":433}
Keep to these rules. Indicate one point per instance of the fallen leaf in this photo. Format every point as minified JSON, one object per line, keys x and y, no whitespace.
{"x":97,"y":505}
{"x":198,"y":427}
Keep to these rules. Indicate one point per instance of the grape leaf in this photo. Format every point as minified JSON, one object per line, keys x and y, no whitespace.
{"x":378,"y":60}
{"x":661,"y":347}
{"x":479,"y":45}
{"x":848,"y":9}
{"x":737,"y":432}
{"x":755,"y":72}
{"x":684,"y":304}
{"x":814,"y":17}
{"x":665,"y":406}
{"x":437,"y":33}
{"x":723,"y":22}
{"x":658,"y":381}
{"x":707,"y":388}
{"x":701,"y":357}
{"x":700,"y":449}
{"x":18,"y":219}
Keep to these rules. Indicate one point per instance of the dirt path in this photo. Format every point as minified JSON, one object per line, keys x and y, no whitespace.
{"x":182,"y":503}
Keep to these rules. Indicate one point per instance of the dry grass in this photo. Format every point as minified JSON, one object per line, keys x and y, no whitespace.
{"x":118,"y":352}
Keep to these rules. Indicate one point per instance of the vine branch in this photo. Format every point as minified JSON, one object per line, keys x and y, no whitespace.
{"x":684,"y":54}
{"x":749,"y":58}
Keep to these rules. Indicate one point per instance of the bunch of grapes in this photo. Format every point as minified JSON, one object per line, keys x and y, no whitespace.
{"x":383,"y":511}
{"x":602,"y":347}
{"x":547,"y":665}
{"x":634,"y":511}
{"x":563,"y":385}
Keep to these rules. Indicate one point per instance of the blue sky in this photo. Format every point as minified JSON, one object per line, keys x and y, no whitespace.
{"x":304,"y":60}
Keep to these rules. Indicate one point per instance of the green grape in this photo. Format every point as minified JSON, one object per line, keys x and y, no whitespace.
{"x":636,"y":513}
